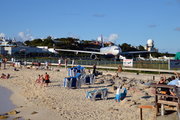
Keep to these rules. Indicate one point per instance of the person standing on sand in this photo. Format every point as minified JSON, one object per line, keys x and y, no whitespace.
{"x":66,"y":63}
{"x":94,"y":69}
{"x":47,"y":65}
{"x":119,"y":69}
{"x":47,"y":79}
{"x":59,"y":62}
{"x":3,"y":60}
{"x":72,"y":63}
{"x":12,"y":59}
{"x":0,"y":62}
{"x":39,"y":65}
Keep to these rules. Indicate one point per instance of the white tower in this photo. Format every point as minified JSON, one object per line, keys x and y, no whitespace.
{"x":150,"y":46}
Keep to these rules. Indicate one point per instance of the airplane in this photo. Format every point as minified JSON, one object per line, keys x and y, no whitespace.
{"x":153,"y":59}
{"x":141,"y":58}
{"x":167,"y":58}
{"x":122,"y":57}
{"x":111,"y":50}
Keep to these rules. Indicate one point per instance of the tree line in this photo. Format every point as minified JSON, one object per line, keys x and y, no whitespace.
{"x":73,"y":43}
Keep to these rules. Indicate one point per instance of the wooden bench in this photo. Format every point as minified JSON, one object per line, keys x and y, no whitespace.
{"x":144,"y":106}
{"x":162,"y":99}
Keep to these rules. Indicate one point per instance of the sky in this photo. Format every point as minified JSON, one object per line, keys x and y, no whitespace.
{"x":120,"y":21}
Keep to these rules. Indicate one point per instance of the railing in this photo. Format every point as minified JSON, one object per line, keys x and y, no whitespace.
{"x":166,"y":99}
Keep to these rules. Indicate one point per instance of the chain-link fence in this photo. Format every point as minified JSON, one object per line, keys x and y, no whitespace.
{"x":106,"y":63}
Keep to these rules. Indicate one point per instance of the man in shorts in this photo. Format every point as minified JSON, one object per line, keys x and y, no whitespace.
{"x":47,"y":79}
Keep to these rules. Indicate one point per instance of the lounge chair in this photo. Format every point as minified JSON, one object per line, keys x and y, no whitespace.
{"x":88,"y":79}
{"x":101,"y":93}
{"x":72,"y":70}
{"x":70,"y":82}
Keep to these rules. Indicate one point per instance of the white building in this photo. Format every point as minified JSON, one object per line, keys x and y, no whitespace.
{"x":5,"y":42}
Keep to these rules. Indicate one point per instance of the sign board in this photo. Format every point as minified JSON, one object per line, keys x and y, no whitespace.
{"x":128,"y":62}
{"x":174,"y":63}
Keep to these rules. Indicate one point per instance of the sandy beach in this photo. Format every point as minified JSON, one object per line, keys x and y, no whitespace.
{"x":58,"y":103}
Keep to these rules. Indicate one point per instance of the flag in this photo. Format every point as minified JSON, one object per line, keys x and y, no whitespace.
{"x":23,"y":50}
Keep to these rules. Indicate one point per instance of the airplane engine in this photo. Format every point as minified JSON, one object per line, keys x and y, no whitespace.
{"x":93,"y":56}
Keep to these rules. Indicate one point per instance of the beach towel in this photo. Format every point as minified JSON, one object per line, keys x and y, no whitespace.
{"x":120,"y":94}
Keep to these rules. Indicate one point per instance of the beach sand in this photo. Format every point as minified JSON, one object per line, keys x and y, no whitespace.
{"x":58,"y":103}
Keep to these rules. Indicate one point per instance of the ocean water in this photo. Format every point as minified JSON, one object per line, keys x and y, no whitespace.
{"x":5,"y":103}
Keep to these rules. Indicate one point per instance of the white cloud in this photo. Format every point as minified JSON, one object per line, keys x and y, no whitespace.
{"x":111,"y":38}
{"x":74,"y":36}
{"x":2,"y":35}
{"x":23,"y":36}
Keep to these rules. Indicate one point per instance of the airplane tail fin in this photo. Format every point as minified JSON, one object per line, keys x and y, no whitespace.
{"x":150,"y":56}
{"x":102,"y":45}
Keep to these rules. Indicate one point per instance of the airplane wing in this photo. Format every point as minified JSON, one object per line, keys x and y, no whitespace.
{"x":136,"y":52}
{"x":81,"y":51}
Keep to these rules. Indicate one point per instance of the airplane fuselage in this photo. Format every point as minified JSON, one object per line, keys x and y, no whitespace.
{"x":111,"y":50}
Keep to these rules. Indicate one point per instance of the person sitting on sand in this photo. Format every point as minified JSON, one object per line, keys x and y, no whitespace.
{"x":38,"y":80}
{"x":3,"y":76}
{"x":15,"y":69}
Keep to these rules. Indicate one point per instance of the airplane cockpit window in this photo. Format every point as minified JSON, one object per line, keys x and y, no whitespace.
{"x":116,"y":48}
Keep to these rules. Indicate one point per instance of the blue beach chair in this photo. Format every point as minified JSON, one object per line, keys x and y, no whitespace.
{"x":72,"y":70}
{"x":101,"y":93}
{"x":75,"y":81}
